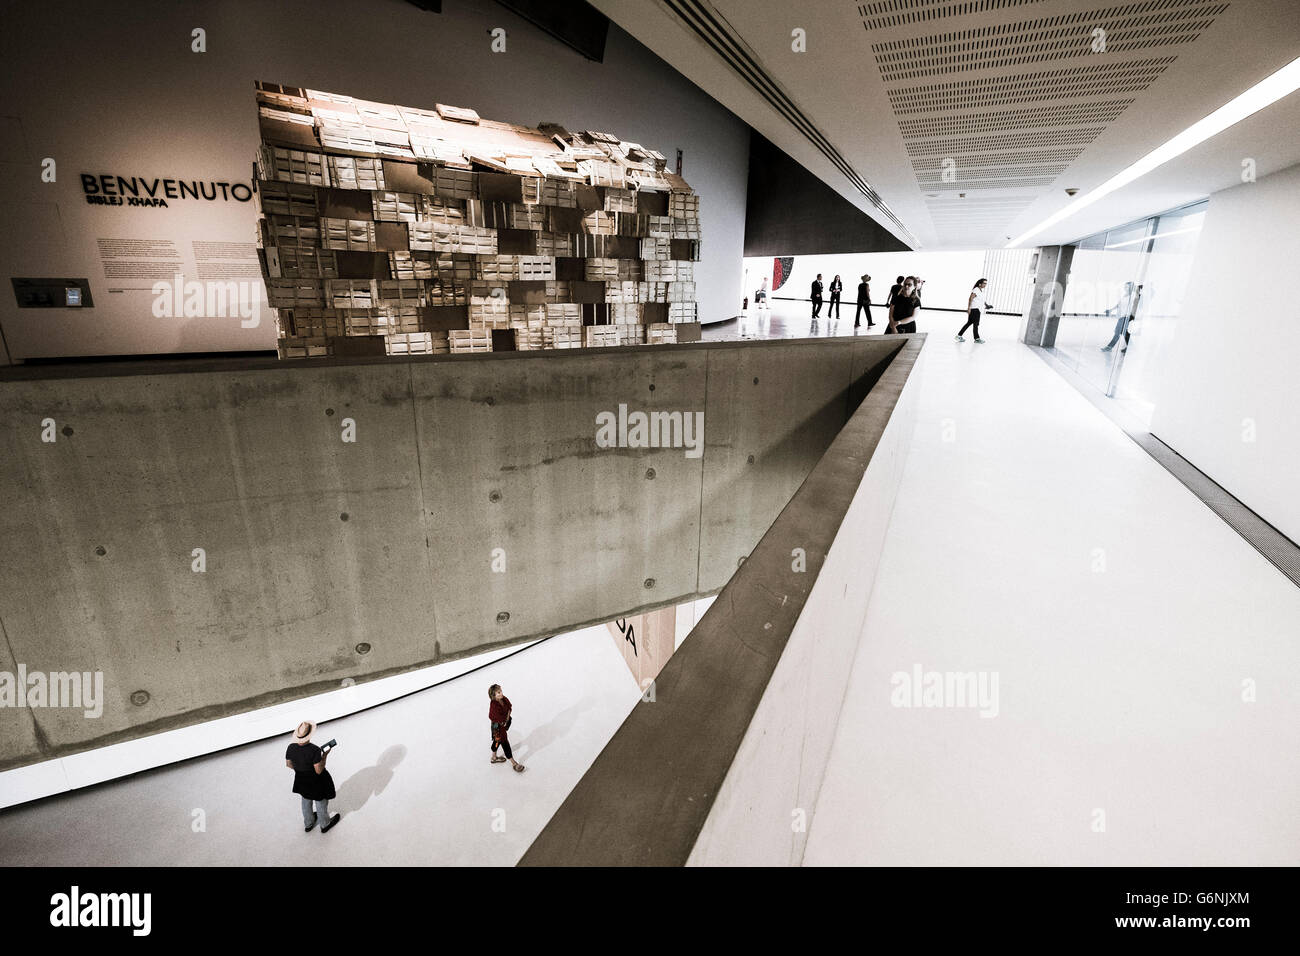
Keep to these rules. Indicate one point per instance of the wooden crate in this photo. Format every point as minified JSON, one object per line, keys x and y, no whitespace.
{"x":409,"y":343}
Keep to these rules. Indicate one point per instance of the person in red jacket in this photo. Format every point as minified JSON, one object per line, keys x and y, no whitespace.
{"x":499,"y":714}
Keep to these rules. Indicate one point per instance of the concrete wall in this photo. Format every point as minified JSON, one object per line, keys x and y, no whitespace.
{"x":117,"y":90}
{"x":1227,"y":396}
{"x":315,"y":546}
{"x":737,"y":734}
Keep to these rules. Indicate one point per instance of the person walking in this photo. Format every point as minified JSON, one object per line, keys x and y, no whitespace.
{"x":760,"y":297}
{"x":902,"y":310}
{"x":817,"y":296}
{"x":864,"y":303}
{"x":975,"y":306}
{"x":836,"y":286}
{"x":1124,"y":308}
{"x":499,"y":714}
{"x":311,"y":781}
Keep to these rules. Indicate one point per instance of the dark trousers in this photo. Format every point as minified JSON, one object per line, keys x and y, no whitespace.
{"x":973,"y":319}
{"x":817,"y":307}
{"x":504,"y":744}
{"x":857,"y":316}
{"x":834,"y":306}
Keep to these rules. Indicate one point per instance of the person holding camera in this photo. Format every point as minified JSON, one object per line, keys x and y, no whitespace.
{"x":311,"y":780}
{"x":499,"y":714}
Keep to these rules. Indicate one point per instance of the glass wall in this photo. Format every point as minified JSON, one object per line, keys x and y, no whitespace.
{"x":1122,"y":301}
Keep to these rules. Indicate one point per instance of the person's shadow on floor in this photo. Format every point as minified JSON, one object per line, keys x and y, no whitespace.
{"x":371,"y":781}
{"x":551,"y":731}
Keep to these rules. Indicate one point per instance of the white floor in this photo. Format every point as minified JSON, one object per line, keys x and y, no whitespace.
{"x":1033,"y":540}
{"x":414,"y":783}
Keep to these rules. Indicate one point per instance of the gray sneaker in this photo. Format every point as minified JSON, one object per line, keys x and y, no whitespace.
{"x":960,"y":338}
{"x":979,"y":341}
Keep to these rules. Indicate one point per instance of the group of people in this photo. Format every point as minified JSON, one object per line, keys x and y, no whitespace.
{"x":314,"y":785}
{"x":903,"y":303}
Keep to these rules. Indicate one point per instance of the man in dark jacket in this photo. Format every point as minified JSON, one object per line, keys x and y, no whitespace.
{"x":864,"y":302}
{"x":817,"y":296}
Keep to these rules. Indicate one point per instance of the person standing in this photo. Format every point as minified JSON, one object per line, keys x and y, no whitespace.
{"x":817,"y":296}
{"x":499,"y":714}
{"x":836,"y":286}
{"x":311,"y":781}
{"x":894,"y":289}
{"x":864,"y":302}
{"x":760,"y":297}
{"x":902,"y":310}
{"x":975,"y":306}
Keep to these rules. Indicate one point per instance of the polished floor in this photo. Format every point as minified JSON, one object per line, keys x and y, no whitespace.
{"x":1146,"y":655}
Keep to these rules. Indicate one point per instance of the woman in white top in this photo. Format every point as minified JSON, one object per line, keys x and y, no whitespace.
{"x":975,"y":306}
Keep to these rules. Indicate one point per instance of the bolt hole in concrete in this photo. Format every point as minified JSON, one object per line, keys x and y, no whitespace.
{"x":755,"y":381}
{"x":751,"y":459}
{"x":100,"y":551}
{"x":140,"y":697}
{"x":344,"y":516}
{"x":652,"y":386}
{"x":503,"y":616}
{"x":67,"y":430}
{"x":329,"y":411}
{"x":494,"y":496}
{"x":363,"y":648}
{"x":649,"y":583}
{"x":650,"y":474}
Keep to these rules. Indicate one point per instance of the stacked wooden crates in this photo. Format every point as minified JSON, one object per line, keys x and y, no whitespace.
{"x":395,"y":230}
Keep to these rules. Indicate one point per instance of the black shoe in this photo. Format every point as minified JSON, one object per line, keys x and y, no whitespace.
{"x":333,"y":820}
{"x":311,"y":826}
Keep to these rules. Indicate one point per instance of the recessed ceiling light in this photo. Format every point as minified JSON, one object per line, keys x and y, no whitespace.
{"x":1264,"y":93}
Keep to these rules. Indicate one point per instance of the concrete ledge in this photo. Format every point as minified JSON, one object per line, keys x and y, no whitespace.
{"x":649,"y":795}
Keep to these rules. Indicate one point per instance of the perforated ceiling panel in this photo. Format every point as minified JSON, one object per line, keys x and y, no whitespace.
{"x":992,"y":106}
{"x":883,"y":14}
{"x":1131,"y":28}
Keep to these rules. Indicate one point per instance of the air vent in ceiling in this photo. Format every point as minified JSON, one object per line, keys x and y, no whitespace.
{"x":712,"y":27}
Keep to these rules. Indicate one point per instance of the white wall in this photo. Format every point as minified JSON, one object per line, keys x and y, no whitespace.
{"x":116,"y":89}
{"x":1232,"y":371}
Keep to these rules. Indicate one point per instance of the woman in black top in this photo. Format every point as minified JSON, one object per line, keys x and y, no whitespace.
{"x":836,"y":286}
{"x":311,"y":780}
{"x":902,"y":309}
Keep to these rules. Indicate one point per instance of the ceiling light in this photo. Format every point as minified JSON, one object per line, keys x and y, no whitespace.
{"x":1262,"y":94}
